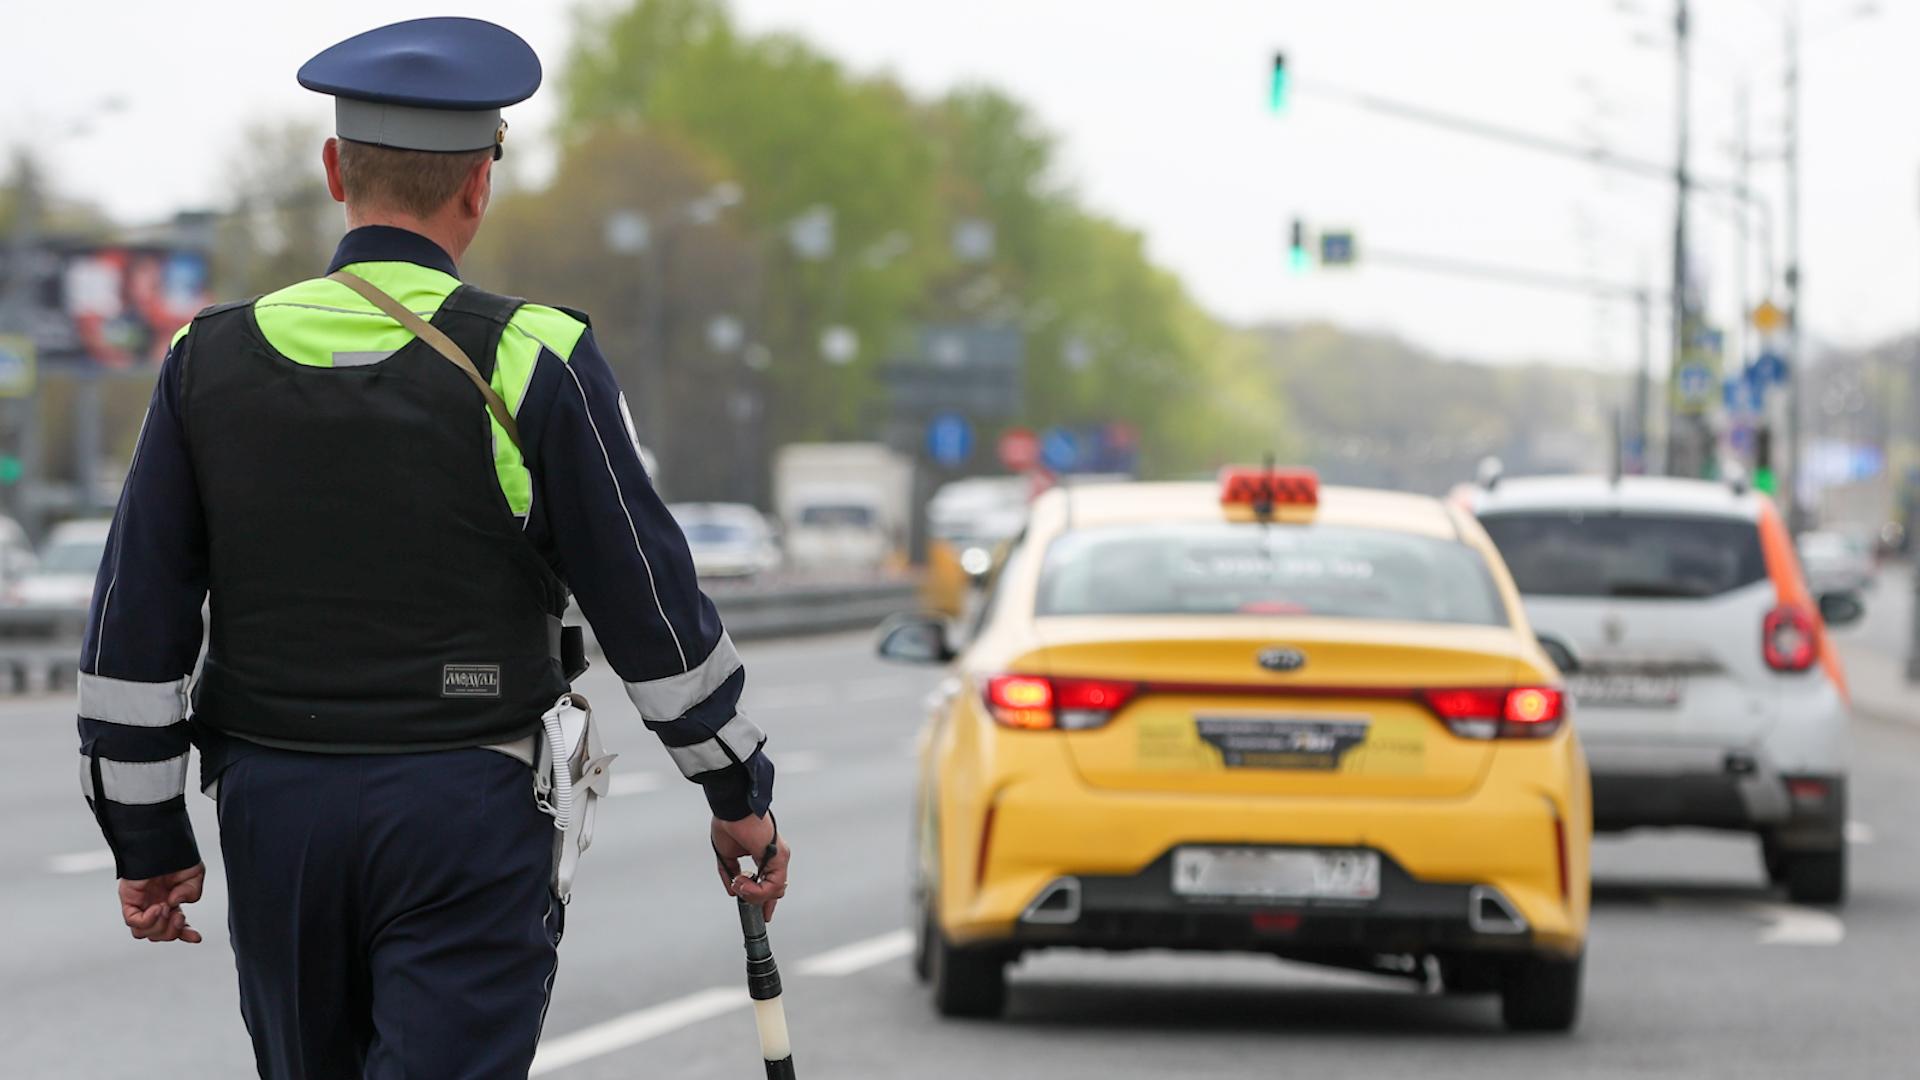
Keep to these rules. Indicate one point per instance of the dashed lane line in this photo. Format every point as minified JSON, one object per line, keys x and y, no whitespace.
{"x":81,"y":862}
{"x":1791,"y":925}
{"x":858,"y":956}
{"x":636,"y":1027}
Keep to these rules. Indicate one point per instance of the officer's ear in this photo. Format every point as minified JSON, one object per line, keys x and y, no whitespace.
{"x":477,"y":192}
{"x":330,"y":157}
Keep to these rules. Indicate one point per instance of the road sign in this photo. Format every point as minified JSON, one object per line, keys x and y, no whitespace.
{"x":1768,"y":318}
{"x":1769,"y":369}
{"x":1336,"y":248}
{"x":1019,"y":449}
{"x":1693,"y":384}
{"x":16,"y":366}
{"x":949,"y":439}
{"x":1060,"y":450}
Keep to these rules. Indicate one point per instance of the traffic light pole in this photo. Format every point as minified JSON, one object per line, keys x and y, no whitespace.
{"x":1641,"y":297}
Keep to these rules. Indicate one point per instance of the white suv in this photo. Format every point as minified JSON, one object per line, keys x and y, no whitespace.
{"x":1706,"y":691}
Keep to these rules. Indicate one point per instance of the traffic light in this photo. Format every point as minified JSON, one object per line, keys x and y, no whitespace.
{"x":1297,"y":256}
{"x":1277,"y":91}
{"x":11,"y":470}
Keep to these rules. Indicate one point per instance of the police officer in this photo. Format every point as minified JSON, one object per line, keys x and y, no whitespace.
{"x":386,"y":541}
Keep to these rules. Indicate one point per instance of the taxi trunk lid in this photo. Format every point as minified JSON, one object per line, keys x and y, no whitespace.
{"x":1208,"y":716}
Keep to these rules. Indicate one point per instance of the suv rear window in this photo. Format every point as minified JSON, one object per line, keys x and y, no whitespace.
{"x":1580,"y":553}
{"x":1235,"y":569}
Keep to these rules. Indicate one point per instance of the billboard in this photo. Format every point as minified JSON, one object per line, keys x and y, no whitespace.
{"x":113,"y":306}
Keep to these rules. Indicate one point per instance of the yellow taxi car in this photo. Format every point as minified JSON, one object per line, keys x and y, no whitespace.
{"x":1257,"y":716}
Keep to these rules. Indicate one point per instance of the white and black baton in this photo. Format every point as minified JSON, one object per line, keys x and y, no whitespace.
{"x":763,"y":986}
{"x":763,"y":976}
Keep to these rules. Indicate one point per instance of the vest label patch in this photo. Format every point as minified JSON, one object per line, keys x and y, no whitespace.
{"x":470,"y":680}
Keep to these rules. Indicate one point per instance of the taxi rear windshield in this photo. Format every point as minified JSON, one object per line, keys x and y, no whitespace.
{"x":1251,"y":569}
{"x":1626,"y":556}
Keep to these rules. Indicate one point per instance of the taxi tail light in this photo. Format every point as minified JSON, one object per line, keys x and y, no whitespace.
{"x":1038,"y":703}
{"x":1519,"y":712}
{"x":1788,"y":638}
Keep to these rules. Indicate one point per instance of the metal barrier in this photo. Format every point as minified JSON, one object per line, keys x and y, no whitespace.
{"x":40,"y":647}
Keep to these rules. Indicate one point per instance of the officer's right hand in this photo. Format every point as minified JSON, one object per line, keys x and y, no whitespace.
{"x":749,"y":838}
{"x":151,"y":906}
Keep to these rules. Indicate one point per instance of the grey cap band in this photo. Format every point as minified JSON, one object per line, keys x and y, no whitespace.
{"x":405,"y":127}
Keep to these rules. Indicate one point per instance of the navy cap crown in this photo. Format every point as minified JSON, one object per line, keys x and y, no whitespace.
{"x":447,"y":62}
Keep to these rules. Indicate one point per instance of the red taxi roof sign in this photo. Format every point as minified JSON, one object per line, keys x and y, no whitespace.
{"x":1264,"y":490}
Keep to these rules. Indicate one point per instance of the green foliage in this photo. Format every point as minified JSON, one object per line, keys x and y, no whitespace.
{"x":1109,"y":335}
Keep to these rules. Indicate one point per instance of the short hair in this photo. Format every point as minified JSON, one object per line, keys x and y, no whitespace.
{"x":416,"y":182}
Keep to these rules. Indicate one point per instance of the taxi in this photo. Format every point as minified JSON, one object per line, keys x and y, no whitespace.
{"x":1256,"y":716}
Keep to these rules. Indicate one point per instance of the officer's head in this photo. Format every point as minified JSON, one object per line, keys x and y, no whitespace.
{"x":441,"y":193}
{"x":417,"y":121}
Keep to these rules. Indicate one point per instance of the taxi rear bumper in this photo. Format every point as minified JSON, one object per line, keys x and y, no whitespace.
{"x":1142,"y":911}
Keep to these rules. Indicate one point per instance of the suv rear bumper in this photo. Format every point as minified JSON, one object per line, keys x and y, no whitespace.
{"x":1742,"y":796}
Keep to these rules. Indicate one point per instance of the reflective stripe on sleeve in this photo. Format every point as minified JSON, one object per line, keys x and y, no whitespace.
{"x":136,"y":783}
{"x":136,"y":704}
{"x":671,"y":697}
{"x":708,"y":755}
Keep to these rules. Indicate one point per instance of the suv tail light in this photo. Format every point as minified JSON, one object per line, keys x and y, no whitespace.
{"x":1520,"y":712}
{"x":1038,"y":703}
{"x":1788,"y":638}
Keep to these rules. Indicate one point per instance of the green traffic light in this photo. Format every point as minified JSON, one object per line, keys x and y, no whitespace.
{"x":1277,"y":92}
{"x":11,"y":469}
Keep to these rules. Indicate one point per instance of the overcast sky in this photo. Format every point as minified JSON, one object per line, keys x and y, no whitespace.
{"x":1160,"y":108}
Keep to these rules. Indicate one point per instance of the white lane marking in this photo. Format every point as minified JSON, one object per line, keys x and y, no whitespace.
{"x":81,"y":862}
{"x":633,"y":784}
{"x":1791,"y":925}
{"x":795,"y":762}
{"x":1859,"y":832}
{"x":635,"y":1027}
{"x":858,"y":956}
{"x":657,"y":1020}
{"x":879,"y":688}
{"x":797,"y":696}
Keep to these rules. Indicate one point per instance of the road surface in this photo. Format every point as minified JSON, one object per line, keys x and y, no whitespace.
{"x":1694,"y":969}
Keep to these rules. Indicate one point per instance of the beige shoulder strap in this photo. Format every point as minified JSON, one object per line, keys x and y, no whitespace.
{"x":440,"y":342}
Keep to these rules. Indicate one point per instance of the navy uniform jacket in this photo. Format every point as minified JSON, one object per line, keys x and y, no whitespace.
{"x":587,"y":506}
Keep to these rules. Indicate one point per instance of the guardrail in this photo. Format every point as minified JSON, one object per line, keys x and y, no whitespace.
{"x":793,"y":609}
{"x":40,"y":647}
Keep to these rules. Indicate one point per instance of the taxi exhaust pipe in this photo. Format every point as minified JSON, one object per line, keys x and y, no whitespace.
{"x":1490,"y":912}
{"x":1057,"y":905}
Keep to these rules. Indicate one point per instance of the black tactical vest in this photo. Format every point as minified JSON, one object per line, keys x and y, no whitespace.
{"x":370,"y":590}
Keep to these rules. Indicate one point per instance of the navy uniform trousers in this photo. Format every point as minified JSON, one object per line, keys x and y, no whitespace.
{"x":391,"y":914}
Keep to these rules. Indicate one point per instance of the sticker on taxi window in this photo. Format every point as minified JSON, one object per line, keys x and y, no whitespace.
{"x":1281,"y":742}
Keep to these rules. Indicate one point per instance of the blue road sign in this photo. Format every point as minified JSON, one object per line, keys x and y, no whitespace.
{"x":1060,"y":450}
{"x":1770,"y":368}
{"x":949,"y":439}
{"x":1695,"y":383}
{"x":1336,"y":249}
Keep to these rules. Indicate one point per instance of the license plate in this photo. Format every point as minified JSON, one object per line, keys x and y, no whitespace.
{"x":1275,"y":874}
{"x":1625,"y":691}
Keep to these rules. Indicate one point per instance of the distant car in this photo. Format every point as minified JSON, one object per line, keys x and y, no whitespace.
{"x":1837,"y":562}
{"x":1707,"y":691}
{"x":68,"y":563}
{"x":838,"y":529}
{"x":1312,"y":724}
{"x":727,"y":540}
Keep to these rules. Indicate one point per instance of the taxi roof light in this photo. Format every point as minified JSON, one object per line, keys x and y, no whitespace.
{"x":1265,"y":490}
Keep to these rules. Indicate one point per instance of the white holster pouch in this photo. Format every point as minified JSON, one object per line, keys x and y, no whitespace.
{"x":571,"y":772}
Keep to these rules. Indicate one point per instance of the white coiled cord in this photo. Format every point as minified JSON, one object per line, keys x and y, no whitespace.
{"x":561,"y":796}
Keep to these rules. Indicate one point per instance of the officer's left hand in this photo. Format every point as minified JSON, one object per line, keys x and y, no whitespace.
{"x":751,"y":838}
{"x":151,"y":906}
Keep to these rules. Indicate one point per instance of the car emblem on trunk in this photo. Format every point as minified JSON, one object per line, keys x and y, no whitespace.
{"x":1281,"y":658}
{"x":1613,"y":628}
